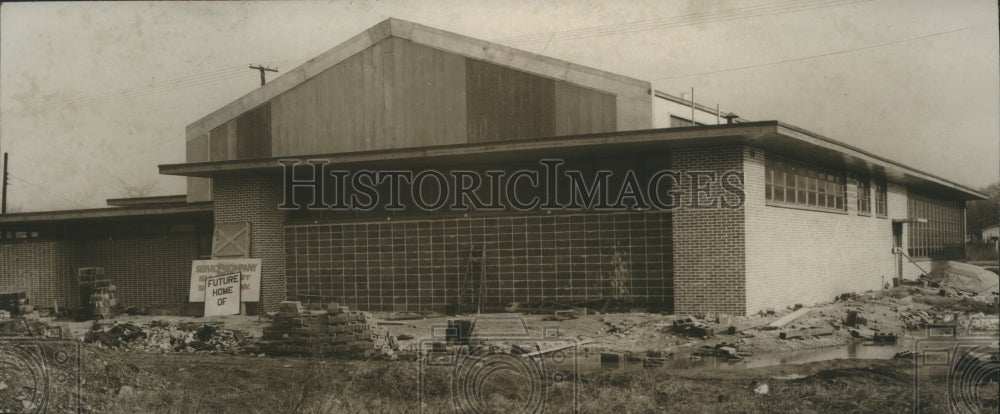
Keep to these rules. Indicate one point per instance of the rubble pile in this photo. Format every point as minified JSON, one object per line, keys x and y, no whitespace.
{"x":161,"y":336}
{"x":332,"y":331}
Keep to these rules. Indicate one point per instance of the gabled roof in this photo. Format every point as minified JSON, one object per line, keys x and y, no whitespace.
{"x":431,"y":37}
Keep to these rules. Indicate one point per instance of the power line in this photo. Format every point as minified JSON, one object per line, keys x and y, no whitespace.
{"x":263,"y":69}
{"x":839,"y":52}
{"x":42,"y":189}
{"x":679,"y":21}
{"x":153,"y":88}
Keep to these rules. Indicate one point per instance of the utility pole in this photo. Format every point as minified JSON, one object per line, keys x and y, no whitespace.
{"x":3,"y":208}
{"x":262,"y":69}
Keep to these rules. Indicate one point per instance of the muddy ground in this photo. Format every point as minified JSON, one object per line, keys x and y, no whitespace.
{"x":902,"y":311}
{"x":240,"y":379}
{"x":186,"y":383}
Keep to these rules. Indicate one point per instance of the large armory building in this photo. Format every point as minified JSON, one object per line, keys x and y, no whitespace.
{"x":816,"y":217}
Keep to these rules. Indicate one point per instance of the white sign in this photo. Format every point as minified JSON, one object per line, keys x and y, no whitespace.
{"x":222,"y":296}
{"x":204,"y":269}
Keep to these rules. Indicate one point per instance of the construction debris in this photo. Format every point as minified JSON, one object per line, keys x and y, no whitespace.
{"x":334,"y":331}
{"x":784,"y":320}
{"x":104,"y":299}
{"x":692,"y":327}
{"x":884,"y":338}
{"x":806,"y":333}
{"x":99,"y":295}
{"x":161,"y":336}
{"x":854,"y":320}
{"x":15,"y":303}
{"x":724,"y":350}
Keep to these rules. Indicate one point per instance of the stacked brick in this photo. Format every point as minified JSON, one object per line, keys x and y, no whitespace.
{"x":104,"y":299}
{"x":331,"y":331}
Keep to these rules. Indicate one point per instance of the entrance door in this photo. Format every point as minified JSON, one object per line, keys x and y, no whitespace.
{"x":897,"y":244}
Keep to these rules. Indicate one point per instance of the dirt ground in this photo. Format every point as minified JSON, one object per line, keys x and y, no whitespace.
{"x":902,"y":311}
{"x":237,"y":379}
{"x":182,"y":383}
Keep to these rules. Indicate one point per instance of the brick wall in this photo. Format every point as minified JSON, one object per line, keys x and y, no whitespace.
{"x":147,"y":270}
{"x":709,"y":271}
{"x":806,"y":256}
{"x":418,"y":265}
{"x":255,"y":199}
{"x":44,"y":269}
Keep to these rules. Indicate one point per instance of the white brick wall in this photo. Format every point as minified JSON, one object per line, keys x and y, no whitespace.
{"x":803,"y":256}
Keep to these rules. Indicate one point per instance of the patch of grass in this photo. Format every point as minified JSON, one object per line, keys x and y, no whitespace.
{"x":259,"y":385}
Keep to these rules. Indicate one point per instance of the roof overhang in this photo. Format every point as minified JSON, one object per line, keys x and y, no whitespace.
{"x":189,"y":210}
{"x":771,"y":136}
{"x":143,"y":201}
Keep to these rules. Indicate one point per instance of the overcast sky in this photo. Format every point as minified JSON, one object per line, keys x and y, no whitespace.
{"x":93,"y":96}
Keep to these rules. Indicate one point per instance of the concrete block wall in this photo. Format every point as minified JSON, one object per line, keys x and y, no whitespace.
{"x":147,"y":270}
{"x":806,"y":256}
{"x":42,"y":268}
{"x":419,"y":264}
{"x":255,"y":199}
{"x":709,"y":243}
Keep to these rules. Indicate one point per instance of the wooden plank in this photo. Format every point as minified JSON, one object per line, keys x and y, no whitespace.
{"x":421,"y":119}
{"x":567,"y":109}
{"x":805,"y":333}
{"x":504,"y":103}
{"x":388,"y":91}
{"x":401,"y":94}
{"x":352,"y":84}
{"x":218,"y":143}
{"x":784,"y":320}
{"x":374,"y":98}
{"x":561,"y":347}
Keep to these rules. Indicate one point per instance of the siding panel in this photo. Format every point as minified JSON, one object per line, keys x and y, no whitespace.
{"x":394,"y":94}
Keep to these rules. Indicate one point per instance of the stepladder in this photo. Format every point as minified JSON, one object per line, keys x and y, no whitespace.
{"x":472,"y":289}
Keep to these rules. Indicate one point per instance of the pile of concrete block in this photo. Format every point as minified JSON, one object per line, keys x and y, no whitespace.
{"x":328,"y":331}
{"x":692,"y":327}
{"x":104,"y":299}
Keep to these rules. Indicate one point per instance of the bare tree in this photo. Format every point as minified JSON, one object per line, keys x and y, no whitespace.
{"x":983,"y":213}
{"x":138,"y":190}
